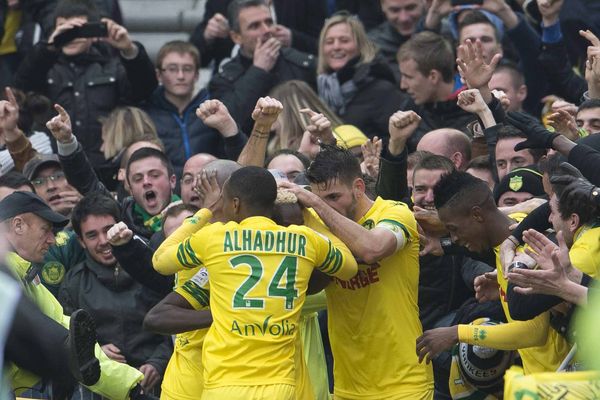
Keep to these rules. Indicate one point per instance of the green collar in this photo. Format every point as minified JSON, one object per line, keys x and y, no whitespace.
{"x":152,"y":222}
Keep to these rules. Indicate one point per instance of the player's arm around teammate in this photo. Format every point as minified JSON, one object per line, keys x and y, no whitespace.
{"x":166,"y":258}
{"x":369,"y":246}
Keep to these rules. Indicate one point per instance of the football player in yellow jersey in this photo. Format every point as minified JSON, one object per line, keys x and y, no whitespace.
{"x":465,"y":205}
{"x":259,"y":274}
{"x":373,"y":317}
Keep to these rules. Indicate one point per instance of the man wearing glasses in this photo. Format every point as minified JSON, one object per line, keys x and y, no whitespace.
{"x":173,"y":106}
{"x":48,"y":179}
{"x":49,"y":182}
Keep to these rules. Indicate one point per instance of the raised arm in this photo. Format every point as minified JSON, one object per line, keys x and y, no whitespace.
{"x":17,"y":143}
{"x":168,"y":259}
{"x":264,"y":115}
{"x":392,"y":182}
{"x":77,"y":168}
{"x":174,"y":314}
{"x":135,"y":257}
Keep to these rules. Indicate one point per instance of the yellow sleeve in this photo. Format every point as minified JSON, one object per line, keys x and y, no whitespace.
{"x":196,"y":290}
{"x":315,"y":223}
{"x":314,"y":302}
{"x":170,"y":256}
{"x":510,"y":336}
{"x":584,"y":258}
{"x":331,"y":260}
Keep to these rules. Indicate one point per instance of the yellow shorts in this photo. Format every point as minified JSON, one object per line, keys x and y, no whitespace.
{"x":265,"y":392}
{"x":426,"y":395}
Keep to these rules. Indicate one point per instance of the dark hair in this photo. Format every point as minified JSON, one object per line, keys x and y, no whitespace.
{"x":592,"y":103}
{"x":462,"y":191}
{"x":433,"y":162}
{"x":513,"y":70}
{"x":254,"y":186}
{"x":480,"y":162}
{"x":234,"y":8}
{"x":551,"y":165}
{"x":77,"y":8}
{"x":370,"y":186}
{"x":303,"y":159}
{"x":148,"y":152}
{"x":510,"y":132}
{"x":180,"y":47}
{"x":586,"y":210}
{"x":15,"y":180}
{"x":334,"y":162}
{"x":429,"y":51}
{"x":94,"y":203}
{"x":473,"y":17}
{"x":176,"y":210}
{"x":414,"y":158}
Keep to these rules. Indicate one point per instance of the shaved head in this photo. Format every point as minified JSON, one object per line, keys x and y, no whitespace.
{"x":450,"y":143}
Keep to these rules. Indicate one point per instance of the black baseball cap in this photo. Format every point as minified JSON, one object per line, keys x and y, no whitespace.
{"x":32,"y":167}
{"x":19,"y":203}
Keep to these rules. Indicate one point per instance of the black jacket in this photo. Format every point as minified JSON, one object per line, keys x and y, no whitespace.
{"x":118,"y":305}
{"x":554,"y":59}
{"x":240,"y":84}
{"x":388,"y":39}
{"x":377,"y":97}
{"x":136,"y":258}
{"x":88,"y":86}
{"x":185,"y":134}
{"x":440,"y":114}
{"x":445,"y":283}
{"x":304,"y":18}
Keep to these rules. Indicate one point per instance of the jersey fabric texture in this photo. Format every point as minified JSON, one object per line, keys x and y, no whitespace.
{"x":259,"y":274}
{"x":541,"y":347}
{"x":374,"y":318}
{"x":183,"y":377}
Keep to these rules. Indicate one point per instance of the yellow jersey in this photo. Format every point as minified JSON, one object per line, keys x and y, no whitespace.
{"x":259,"y":274}
{"x":116,"y":379}
{"x":541,"y":348}
{"x":585,"y":251}
{"x":183,"y":376}
{"x":374,"y":318}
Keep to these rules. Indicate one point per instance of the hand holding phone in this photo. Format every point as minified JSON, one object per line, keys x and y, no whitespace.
{"x":86,"y":30}
{"x":465,"y":2}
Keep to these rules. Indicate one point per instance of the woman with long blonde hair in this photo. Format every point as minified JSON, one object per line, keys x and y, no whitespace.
{"x":124,"y":126}
{"x":290,"y":127}
{"x":353,"y":80}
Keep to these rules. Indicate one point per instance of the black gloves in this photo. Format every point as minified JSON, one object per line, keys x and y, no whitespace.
{"x":538,"y":137}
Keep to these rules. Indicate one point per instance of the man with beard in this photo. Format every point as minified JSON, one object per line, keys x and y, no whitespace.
{"x":117,"y":303}
{"x":382,"y":234}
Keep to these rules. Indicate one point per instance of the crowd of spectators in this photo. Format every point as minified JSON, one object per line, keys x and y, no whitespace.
{"x":446,"y":151}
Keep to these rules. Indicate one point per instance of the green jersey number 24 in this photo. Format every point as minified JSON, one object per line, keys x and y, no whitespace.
{"x":276,"y":288}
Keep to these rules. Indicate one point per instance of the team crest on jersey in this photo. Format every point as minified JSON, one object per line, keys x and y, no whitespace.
{"x":515,"y":183}
{"x":61,"y":238}
{"x":368,"y":224}
{"x":53,"y":272}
